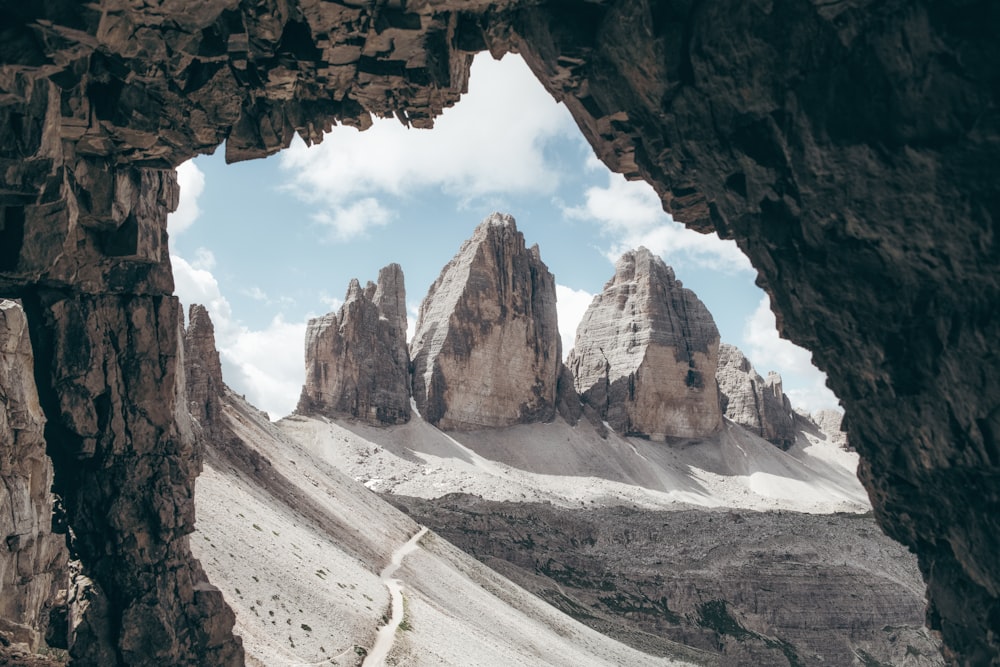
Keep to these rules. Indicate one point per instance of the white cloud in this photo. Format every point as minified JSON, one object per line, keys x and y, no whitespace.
{"x":491,"y":142}
{"x":331,"y":302}
{"x":257,"y":294}
{"x":192,"y":183}
{"x":631,"y":214}
{"x":269,"y":365}
{"x":193,"y":285}
{"x":353,"y":220}
{"x":203,"y":259}
{"x":265,"y":365}
{"x":768,"y":351}
{"x":571,"y":304}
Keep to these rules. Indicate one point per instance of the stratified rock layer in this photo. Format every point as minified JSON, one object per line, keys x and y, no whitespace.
{"x":32,"y":558}
{"x":486,"y":351}
{"x":751,"y":401}
{"x":357,"y":363}
{"x":741,"y":588}
{"x":646,"y":353}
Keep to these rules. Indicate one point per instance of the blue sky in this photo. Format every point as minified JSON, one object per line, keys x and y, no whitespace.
{"x":267,"y":244}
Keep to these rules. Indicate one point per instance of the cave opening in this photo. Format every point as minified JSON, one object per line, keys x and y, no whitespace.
{"x":857,"y":192}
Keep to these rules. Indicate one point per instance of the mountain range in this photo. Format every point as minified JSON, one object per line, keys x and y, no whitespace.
{"x":652,"y":500}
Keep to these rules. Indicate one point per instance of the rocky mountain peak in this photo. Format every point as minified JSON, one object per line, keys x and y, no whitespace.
{"x":646,"y":352}
{"x":202,"y":368}
{"x":357,"y":364}
{"x":486,"y":351}
{"x":754,"y":402}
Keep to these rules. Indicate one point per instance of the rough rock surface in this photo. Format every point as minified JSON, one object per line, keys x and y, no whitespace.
{"x":831,"y":423}
{"x":486,"y":351}
{"x":646,"y":352}
{"x":32,"y":558}
{"x":123,"y":448}
{"x":741,"y":588}
{"x":751,"y":401}
{"x":202,"y":370}
{"x":357,"y":362}
{"x":849,"y":148}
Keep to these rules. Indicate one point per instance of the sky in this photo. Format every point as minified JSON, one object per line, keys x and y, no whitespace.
{"x":266,"y":245}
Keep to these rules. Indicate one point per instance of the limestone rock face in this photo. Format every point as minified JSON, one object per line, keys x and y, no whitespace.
{"x":357,"y":363}
{"x":646,"y":352}
{"x":738,"y":589}
{"x":32,"y":558}
{"x":202,"y":369}
{"x":753,"y":402}
{"x":124,"y":449}
{"x":831,"y":423}
{"x":486,"y":351}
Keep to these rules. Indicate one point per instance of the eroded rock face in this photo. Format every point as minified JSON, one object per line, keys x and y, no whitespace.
{"x":32,"y":558}
{"x":849,"y":148}
{"x":202,"y":371}
{"x":486,"y":351}
{"x":124,"y":449}
{"x":646,"y":352}
{"x":753,"y":402}
{"x":357,"y":362}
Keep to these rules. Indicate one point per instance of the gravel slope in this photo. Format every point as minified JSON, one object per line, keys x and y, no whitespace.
{"x":297,"y":548}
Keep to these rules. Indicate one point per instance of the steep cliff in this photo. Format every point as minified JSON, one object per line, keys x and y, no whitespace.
{"x":32,"y":558}
{"x":646,"y":352}
{"x":751,"y":401}
{"x":357,"y":363}
{"x":123,"y":446}
{"x":486,"y":351}
{"x":202,"y":371}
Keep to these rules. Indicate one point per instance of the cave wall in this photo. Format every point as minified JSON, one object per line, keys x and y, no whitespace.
{"x":850,"y":148}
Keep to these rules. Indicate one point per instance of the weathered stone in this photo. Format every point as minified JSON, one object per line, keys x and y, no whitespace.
{"x":646,"y":352}
{"x":848,"y":147}
{"x":32,"y":558}
{"x":753,"y":402}
{"x":486,"y":350}
{"x":123,"y":446}
{"x":357,"y":363}
{"x":736,"y":588}
{"x":831,"y":424}
{"x":202,"y":371}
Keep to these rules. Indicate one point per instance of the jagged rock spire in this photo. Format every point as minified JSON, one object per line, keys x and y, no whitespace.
{"x":486,"y":352}
{"x":357,"y":364}
{"x":754,"y":402}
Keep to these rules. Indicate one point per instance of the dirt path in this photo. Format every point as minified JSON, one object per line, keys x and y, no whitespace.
{"x":387,"y":633}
